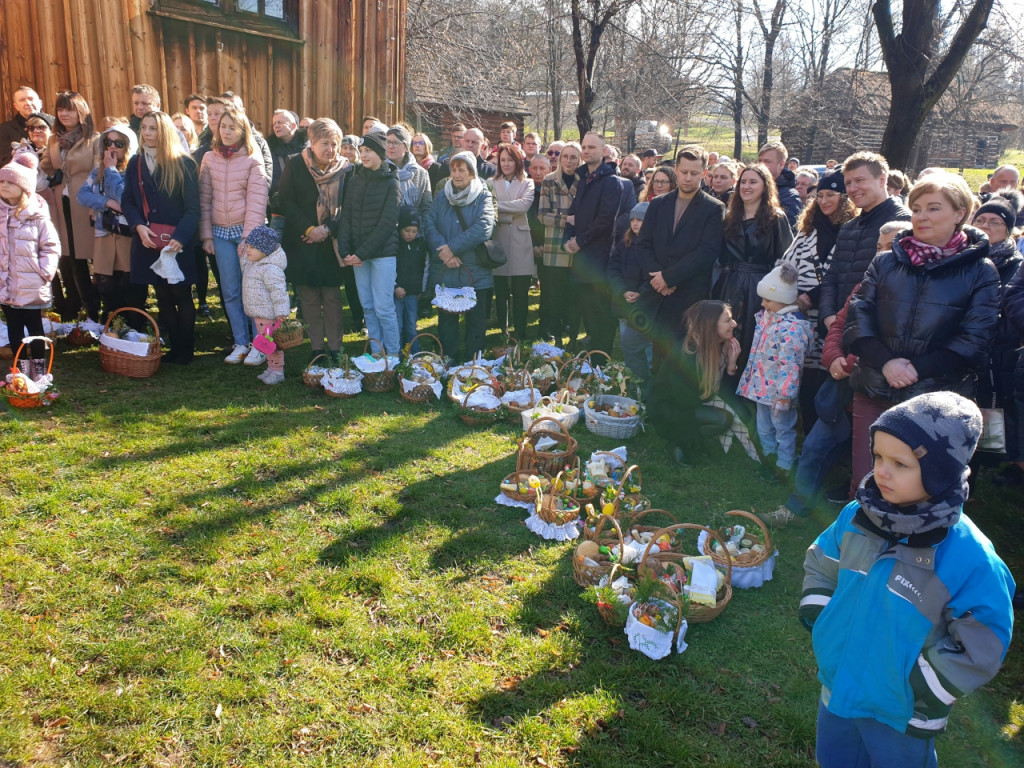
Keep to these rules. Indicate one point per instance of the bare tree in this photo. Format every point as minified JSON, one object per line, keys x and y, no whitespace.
{"x":918,"y":74}
{"x":770,"y":27}
{"x":595,"y":16}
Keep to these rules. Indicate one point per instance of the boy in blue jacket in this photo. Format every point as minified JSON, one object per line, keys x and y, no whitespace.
{"x":908,"y":603}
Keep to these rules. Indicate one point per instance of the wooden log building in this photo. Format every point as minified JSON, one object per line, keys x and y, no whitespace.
{"x":320,"y":58}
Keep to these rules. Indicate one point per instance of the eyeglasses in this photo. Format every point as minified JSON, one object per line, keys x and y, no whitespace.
{"x":394,"y":144}
{"x":419,"y":144}
{"x":553,"y":153}
{"x":659,"y":182}
{"x":115,"y":143}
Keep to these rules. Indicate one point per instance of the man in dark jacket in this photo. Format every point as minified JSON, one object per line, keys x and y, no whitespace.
{"x":773,"y":157}
{"x":26,"y":102}
{"x":472,"y":141}
{"x":588,"y":236}
{"x":865,"y":175}
{"x":630,"y":169}
{"x":680,"y":239}
{"x":288,"y":139}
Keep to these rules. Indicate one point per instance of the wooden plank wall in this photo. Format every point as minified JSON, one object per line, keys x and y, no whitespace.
{"x":351,"y":61}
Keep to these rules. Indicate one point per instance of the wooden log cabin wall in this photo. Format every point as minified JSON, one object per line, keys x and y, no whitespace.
{"x":322,"y":58}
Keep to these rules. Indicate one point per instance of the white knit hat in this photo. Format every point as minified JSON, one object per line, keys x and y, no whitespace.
{"x":779,"y":284}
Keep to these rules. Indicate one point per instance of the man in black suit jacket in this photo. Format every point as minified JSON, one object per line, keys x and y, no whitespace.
{"x":680,"y":239}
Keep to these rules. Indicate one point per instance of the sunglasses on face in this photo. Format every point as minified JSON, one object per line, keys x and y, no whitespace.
{"x":115,"y":143}
{"x":553,"y":153}
{"x":37,"y":128}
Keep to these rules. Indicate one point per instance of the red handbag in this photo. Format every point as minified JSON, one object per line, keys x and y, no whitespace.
{"x":162,"y":232}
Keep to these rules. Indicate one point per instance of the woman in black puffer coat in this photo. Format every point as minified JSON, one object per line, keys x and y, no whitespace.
{"x":925,"y":313}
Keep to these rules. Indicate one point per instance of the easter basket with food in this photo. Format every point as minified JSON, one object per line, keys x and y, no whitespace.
{"x":577,"y":484}
{"x":289,"y":333}
{"x":508,"y":349}
{"x":547,"y":447}
{"x":127,"y":352}
{"x":420,"y":374}
{"x":544,"y":372}
{"x":656,"y":621}
{"x":613,"y":416}
{"x":595,"y":558}
{"x":379,"y":374}
{"x":613,"y":594}
{"x":455,"y":301}
{"x":708,"y":584}
{"x":476,"y":394}
{"x":752,"y":554}
{"x":520,"y":395}
{"x":554,"y":514}
{"x":517,"y":487}
{"x":22,"y":391}
{"x":315,"y":370}
{"x":84,"y":333}
{"x":582,"y":376}
{"x":343,"y":381}
{"x":553,"y":407}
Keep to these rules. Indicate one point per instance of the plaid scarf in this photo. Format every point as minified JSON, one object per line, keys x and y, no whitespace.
{"x":922,"y":253}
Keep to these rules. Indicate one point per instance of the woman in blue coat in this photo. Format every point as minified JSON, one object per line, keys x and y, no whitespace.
{"x":162,"y":188}
{"x":453,"y":245}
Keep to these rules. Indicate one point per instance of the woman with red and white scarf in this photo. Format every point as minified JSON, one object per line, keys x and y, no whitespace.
{"x":925,"y":312}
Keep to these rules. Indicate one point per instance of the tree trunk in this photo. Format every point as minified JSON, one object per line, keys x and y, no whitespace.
{"x":917,"y":77}
{"x":737,"y":80}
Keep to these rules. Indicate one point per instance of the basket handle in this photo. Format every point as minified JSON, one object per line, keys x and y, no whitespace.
{"x":641,"y":515}
{"x":440,"y":349}
{"x":621,"y":490}
{"x":28,"y":340}
{"x":310,"y":363}
{"x":588,"y":355}
{"x":618,"y":530}
{"x":144,"y":313}
{"x":366,"y":346}
{"x":561,"y":426}
{"x":760,"y":524}
{"x":692,"y":527}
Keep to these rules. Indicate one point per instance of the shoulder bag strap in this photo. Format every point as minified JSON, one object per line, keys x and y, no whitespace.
{"x":458,"y":214}
{"x":142,"y":190}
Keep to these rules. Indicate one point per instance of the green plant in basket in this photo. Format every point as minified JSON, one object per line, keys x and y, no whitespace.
{"x":607,"y":599}
{"x":658,"y":596}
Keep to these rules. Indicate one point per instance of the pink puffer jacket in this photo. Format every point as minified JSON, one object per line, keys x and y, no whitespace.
{"x":29,"y":252}
{"x":231,"y":192}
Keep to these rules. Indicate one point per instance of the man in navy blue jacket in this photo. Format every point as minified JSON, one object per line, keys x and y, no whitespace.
{"x":588,"y":236}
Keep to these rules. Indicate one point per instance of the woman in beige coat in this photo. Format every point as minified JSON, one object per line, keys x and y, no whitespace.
{"x":72,"y":151}
{"x":513,"y":193}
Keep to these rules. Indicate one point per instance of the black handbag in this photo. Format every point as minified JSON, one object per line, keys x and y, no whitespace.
{"x":489,"y":254}
{"x":110,"y":223}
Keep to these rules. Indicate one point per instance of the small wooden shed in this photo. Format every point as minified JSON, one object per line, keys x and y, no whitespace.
{"x":319,"y":58}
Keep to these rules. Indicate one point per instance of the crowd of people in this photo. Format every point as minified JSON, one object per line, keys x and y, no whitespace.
{"x":849,"y":304}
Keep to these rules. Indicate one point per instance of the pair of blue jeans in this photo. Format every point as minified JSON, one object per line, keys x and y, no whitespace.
{"x":860,"y":742}
{"x":407,"y":309}
{"x":777,"y":430}
{"x":375,"y":281}
{"x":229,"y":266}
{"x":824,"y":445}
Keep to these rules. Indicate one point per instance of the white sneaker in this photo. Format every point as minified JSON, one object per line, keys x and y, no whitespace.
{"x":237,"y":355}
{"x":271,"y":377}
{"x":254,"y":358}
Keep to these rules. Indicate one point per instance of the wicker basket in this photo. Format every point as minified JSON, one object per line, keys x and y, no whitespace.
{"x":522,"y":475}
{"x":579,"y":385}
{"x":551,"y":462}
{"x":423,"y":393}
{"x":289,"y":337}
{"x":347,"y":368}
{"x":510,"y":347}
{"x":611,"y":426}
{"x":380,"y":381}
{"x":749,"y":559}
{"x":6,"y":353}
{"x":548,"y":510}
{"x":632,"y":500}
{"x":38,"y":399}
{"x":126,"y":364}
{"x":587,"y":575}
{"x":521,"y":380}
{"x":698,"y":614}
{"x":607,"y":612}
{"x":313,"y":380}
{"x":464,"y":373}
{"x":472,"y":284}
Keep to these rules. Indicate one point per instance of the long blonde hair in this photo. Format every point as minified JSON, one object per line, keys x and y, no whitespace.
{"x":703,"y":342}
{"x":170,"y":155}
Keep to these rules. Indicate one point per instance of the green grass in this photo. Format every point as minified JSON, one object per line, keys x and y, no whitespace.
{"x":198,"y":570}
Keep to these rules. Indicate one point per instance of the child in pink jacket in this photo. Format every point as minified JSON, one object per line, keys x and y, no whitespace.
{"x":29,"y":251}
{"x":772,"y":376}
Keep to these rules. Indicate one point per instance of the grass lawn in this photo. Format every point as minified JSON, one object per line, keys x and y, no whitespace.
{"x":198,"y":570}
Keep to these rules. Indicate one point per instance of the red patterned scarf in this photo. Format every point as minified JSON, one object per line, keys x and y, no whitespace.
{"x":922,"y":253}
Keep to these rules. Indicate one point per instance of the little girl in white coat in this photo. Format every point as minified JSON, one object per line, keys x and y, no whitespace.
{"x":265,"y":291}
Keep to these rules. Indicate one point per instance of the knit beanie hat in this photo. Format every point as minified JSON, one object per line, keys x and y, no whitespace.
{"x":40,"y":116}
{"x":377,"y":142}
{"x":832,"y":181}
{"x":351,"y":139}
{"x":779,"y":284}
{"x":22,"y":171}
{"x":468,"y":158}
{"x":401,"y":134}
{"x":263,"y":239}
{"x":408,"y":217}
{"x":1002,"y":208}
{"x":942,"y":429}
{"x":639,"y":211}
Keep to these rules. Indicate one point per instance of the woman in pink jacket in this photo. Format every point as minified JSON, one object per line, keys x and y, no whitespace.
{"x":233,"y":190}
{"x":29,"y":252}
